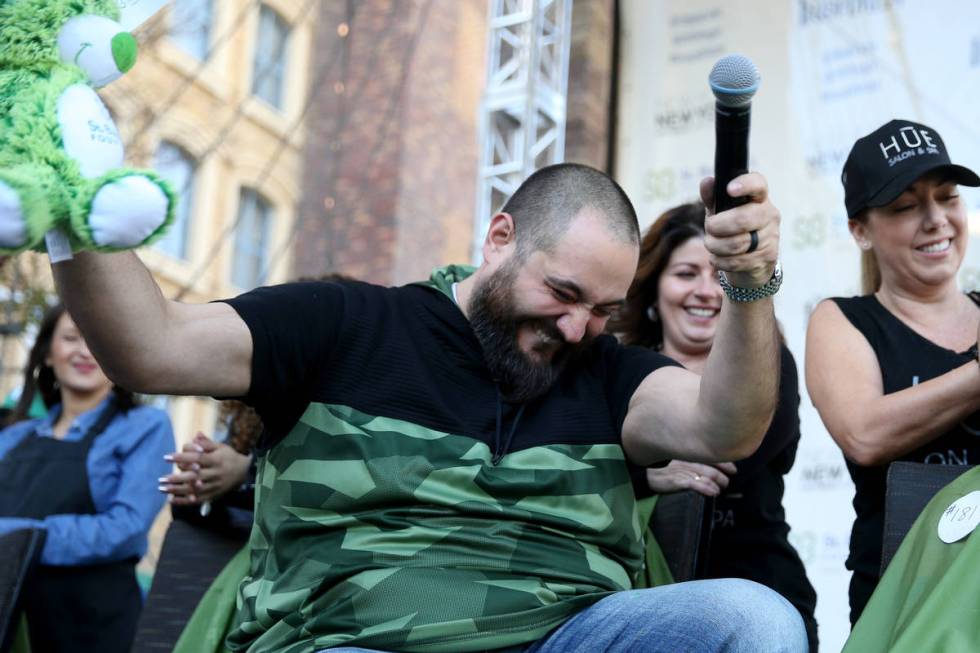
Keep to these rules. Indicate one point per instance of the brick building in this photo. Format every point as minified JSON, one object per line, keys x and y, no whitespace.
{"x":390,"y":162}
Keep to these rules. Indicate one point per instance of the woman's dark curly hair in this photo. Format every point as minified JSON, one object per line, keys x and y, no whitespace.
{"x":244,"y":425}
{"x":39,"y":376}
{"x":668,"y":232}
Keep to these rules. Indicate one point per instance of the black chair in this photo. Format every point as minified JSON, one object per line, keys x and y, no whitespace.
{"x":19,"y":552}
{"x":908,"y":488}
{"x":194,"y":552}
{"x":681,"y":524}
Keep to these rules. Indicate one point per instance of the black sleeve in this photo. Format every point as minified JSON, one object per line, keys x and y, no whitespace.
{"x":294,"y":329}
{"x":784,"y":432}
{"x":624,"y":370}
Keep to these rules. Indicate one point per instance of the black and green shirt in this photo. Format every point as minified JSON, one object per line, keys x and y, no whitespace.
{"x":401,"y":504}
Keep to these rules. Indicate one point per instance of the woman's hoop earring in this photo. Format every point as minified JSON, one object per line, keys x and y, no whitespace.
{"x":652,"y":313}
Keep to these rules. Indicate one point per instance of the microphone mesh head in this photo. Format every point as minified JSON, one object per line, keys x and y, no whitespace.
{"x":734,"y":79}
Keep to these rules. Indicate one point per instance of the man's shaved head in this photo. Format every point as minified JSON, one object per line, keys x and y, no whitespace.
{"x":547,"y":202}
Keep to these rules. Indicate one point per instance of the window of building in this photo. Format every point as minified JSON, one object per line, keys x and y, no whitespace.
{"x":251,"y":240}
{"x":175,"y":165}
{"x":190,"y":26}
{"x":269,"y":69}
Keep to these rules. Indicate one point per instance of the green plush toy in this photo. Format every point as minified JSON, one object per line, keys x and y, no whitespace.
{"x":61,"y":157}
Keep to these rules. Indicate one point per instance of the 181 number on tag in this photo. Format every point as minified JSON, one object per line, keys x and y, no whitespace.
{"x":960,"y":518}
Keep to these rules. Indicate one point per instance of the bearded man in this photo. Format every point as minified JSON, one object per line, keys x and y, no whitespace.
{"x":446,"y":463}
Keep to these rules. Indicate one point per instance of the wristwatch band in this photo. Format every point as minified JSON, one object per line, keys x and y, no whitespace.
{"x":737,"y":294}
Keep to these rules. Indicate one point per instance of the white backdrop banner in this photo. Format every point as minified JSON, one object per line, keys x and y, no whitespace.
{"x":832,"y":71}
{"x":134,"y":13}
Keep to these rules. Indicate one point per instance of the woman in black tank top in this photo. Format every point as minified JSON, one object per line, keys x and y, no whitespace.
{"x":894,"y":373}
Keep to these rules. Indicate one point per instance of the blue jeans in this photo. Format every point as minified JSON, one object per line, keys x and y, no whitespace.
{"x":705,"y":616}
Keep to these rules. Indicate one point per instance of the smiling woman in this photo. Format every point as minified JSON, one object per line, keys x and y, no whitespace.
{"x":688,"y":303}
{"x":84,"y":475}
{"x":673,"y":306}
{"x":893,"y":373}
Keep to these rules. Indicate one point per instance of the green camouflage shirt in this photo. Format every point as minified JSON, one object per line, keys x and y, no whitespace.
{"x":378,"y":531}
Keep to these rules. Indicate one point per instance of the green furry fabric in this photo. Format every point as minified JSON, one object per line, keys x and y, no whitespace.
{"x":29,"y":29}
{"x":32,"y":159}
{"x":33,"y":162}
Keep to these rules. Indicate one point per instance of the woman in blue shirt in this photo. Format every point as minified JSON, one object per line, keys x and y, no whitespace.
{"x":85,"y":474}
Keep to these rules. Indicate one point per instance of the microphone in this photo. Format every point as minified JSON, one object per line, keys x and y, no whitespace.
{"x":734,"y":79}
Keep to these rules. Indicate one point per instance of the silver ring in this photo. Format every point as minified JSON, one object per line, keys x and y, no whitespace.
{"x":753,"y":241}
{"x":697,"y":477}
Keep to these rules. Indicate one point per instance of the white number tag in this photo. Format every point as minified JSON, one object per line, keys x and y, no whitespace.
{"x":960,"y":518}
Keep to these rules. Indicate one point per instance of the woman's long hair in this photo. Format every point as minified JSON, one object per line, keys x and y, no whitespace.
{"x":39,"y":376}
{"x":870,"y":272}
{"x":244,"y":425}
{"x":671,"y":230}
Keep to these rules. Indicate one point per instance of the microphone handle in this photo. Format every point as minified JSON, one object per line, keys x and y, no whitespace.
{"x":731,"y":152}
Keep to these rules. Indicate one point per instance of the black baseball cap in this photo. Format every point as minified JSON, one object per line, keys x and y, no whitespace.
{"x":884,"y":163}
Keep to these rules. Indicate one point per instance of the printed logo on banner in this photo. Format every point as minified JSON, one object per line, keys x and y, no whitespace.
{"x":822,"y":550}
{"x":849,"y":71}
{"x":665,"y":185}
{"x":659,"y":184}
{"x":821,"y":470}
{"x":696,"y":35}
{"x":684,"y":114}
{"x":809,"y":231}
{"x":844,"y":67}
{"x":823,"y":475}
{"x":817,"y":11}
{"x":826,"y":162}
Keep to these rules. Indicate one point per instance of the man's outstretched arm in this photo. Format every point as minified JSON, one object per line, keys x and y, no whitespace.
{"x":147,"y":343}
{"x":722,"y":415}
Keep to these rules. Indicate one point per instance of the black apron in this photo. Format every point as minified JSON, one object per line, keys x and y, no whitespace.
{"x":69,"y":608}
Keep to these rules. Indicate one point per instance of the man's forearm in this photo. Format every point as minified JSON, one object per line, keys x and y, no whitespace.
{"x":118,"y":307}
{"x":741,"y":377}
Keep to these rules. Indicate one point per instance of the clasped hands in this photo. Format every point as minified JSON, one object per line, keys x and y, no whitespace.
{"x":206,"y":470}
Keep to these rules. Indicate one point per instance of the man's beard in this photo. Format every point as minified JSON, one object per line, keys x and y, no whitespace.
{"x":495,"y":322}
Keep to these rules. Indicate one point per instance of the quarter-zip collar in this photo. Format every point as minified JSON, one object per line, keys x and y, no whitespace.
{"x":443,"y":279}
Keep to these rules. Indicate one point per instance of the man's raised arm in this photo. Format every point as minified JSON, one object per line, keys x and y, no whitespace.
{"x":722,"y":415}
{"x":146,"y":342}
